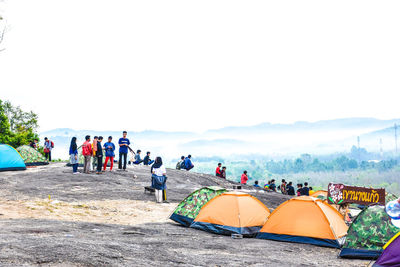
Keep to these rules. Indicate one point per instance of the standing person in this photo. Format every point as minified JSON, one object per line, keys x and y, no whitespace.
{"x":73,"y":154}
{"x":290,"y":189}
{"x":99,"y":155}
{"x":223,"y":172}
{"x":138,"y":159}
{"x":94,"y":149}
{"x":109,"y":147}
{"x":188,"y":163}
{"x":218,"y":170}
{"x":48,"y":146}
{"x":180,"y":164}
{"x":87,"y":154}
{"x":159,"y":179}
{"x":147,"y":160}
{"x":123,"y":143}
{"x":244,"y":178}
{"x":283,"y":187}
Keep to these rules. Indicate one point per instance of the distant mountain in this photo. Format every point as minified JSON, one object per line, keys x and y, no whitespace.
{"x":321,"y":137}
{"x":324,"y":125}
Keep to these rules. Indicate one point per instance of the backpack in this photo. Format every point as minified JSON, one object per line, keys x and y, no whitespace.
{"x":178,"y":165}
{"x":183,"y":165}
{"x":52,"y":144}
{"x":85,"y":150}
{"x":159,"y":180}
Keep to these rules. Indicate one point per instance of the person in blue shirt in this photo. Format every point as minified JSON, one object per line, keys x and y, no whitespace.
{"x":256,"y":184}
{"x":123,"y":150}
{"x":147,"y":160}
{"x":109,"y":147}
{"x":188,"y":163}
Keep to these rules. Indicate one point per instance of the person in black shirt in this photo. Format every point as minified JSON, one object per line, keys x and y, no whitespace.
{"x":99,"y":155}
{"x":290,"y":189}
{"x":272,"y":186}
{"x":300,"y":190}
{"x":306,"y":190}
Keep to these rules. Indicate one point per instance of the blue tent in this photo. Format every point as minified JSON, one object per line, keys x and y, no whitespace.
{"x":10,"y":159}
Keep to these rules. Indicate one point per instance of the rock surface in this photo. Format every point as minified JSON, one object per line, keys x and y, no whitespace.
{"x":58,"y":241}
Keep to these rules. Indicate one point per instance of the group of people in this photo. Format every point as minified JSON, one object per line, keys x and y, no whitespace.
{"x":284,"y":187}
{"x":185,"y":163}
{"x":47,"y":147}
{"x":92,"y":152}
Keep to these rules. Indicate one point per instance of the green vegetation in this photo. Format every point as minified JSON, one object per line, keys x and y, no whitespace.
{"x":17,"y":127}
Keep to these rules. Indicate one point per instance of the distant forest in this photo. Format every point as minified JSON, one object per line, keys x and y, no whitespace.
{"x":358,"y":167}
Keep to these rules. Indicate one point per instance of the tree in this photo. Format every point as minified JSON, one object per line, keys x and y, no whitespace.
{"x":17,"y":127}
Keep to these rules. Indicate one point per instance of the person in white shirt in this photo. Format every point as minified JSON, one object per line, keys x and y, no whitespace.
{"x":159,"y":179}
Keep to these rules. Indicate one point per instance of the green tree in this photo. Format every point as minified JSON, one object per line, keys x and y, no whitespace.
{"x":17,"y":127}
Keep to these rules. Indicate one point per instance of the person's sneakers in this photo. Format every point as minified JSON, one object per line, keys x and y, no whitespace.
{"x":75,"y":173}
{"x":165,"y":201}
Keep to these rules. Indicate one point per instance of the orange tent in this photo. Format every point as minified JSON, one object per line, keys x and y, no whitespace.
{"x":305,"y":220}
{"x":232,"y":213}
{"x":322,"y":194}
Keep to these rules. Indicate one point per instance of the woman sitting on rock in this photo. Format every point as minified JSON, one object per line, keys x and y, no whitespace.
{"x":158,"y":179}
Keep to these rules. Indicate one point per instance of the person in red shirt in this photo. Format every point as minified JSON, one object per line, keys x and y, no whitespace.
{"x":244,"y":178}
{"x":218,"y":170}
{"x":87,"y":153}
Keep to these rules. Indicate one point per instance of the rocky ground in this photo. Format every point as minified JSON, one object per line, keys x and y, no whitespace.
{"x":50,"y":217}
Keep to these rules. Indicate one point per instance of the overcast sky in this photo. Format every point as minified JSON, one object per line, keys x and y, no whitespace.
{"x":196,"y":65}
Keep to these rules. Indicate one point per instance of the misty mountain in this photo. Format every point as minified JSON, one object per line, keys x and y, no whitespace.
{"x":321,"y":137}
{"x":324,"y":125}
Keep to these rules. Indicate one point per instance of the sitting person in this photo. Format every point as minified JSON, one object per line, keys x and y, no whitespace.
{"x":188,"y":163}
{"x":256,"y":184}
{"x":300,"y":191}
{"x":244,"y":178}
{"x":306,"y":190}
{"x":311,"y":191}
{"x":223,"y":172}
{"x":290,"y":189}
{"x":283,"y":187}
{"x":272,"y":185}
{"x":266,"y":186}
{"x":138,"y":159}
{"x":159,"y":179}
{"x":147,"y":160}
{"x":180,"y":163}
{"x":218,"y":170}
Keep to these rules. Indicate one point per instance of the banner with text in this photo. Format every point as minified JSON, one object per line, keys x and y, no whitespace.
{"x":341,"y":194}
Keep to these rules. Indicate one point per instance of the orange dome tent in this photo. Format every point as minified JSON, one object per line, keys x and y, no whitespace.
{"x":232,"y":213}
{"x":305,"y":220}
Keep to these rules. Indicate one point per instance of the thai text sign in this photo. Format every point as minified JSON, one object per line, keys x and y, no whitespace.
{"x":340,"y":194}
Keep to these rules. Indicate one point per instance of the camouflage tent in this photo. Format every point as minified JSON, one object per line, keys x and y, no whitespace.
{"x":369,"y":232}
{"x":31,"y":156}
{"x":190,"y":207}
{"x":390,"y":197}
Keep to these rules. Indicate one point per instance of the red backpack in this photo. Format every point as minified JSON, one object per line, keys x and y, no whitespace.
{"x":52,"y":144}
{"x":85,"y":149}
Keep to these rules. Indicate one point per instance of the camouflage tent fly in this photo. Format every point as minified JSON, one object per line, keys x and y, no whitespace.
{"x":368,"y":234}
{"x":190,"y":207}
{"x":31,"y":156}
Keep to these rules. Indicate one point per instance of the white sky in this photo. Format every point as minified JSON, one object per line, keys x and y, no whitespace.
{"x":196,"y":65}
